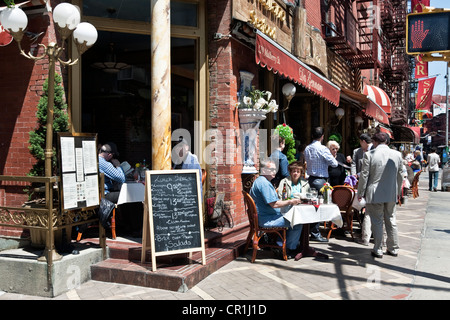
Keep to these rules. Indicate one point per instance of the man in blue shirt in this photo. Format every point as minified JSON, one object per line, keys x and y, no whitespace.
{"x":268,"y":206}
{"x":110,"y":167}
{"x":318,"y":158}
{"x":183,"y":158}
{"x":279,"y":157}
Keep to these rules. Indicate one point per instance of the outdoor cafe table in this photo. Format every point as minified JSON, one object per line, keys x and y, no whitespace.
{"x":306,"y":214}
{"x":131,"y":191}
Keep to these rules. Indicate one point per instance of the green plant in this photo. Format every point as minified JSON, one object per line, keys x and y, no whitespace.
{"x":287,"y":133}
{"x":9,"y":3}
{"x":60,"y":124}
{"x":335,"y":137}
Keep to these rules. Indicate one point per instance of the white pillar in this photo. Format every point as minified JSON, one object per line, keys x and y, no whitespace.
{"x":160,"y":85}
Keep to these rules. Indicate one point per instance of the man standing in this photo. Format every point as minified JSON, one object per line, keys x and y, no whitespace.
{"x":433,"y":169}
{"x":279,"y":157}
{"x":380,"y":183}
{"x":268,"y":206}
{"x":318,"y":157}
{"x":365,"y":141}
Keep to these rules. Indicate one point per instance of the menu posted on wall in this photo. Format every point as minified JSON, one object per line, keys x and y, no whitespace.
{"x":78,"y":165}
{"x":174,"y":209}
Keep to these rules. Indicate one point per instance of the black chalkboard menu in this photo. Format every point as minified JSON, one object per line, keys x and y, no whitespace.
{"x":173,"y":202}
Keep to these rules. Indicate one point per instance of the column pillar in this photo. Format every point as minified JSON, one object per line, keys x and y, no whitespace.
{"x":160,"y":85}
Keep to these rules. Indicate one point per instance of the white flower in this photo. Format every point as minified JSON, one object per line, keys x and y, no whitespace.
{"x":255,"y":99}
{"x":258,"y":105}
{"x":273,"y":107}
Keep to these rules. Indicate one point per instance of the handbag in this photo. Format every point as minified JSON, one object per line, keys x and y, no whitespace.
{"x":104,"y":212}
{"x":358,"y":205}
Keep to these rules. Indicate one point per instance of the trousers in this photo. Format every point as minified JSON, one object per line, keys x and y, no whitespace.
{"x":292,"y":234}
{"x":379,"y":213}
{"x":433,"y":177}
{"x":316,"y":183}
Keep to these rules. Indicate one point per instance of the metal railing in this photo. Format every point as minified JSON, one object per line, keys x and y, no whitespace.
{"x":46,"y":216}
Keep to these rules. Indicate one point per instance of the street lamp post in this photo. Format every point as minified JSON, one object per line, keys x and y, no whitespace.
{"x":67,"y":19}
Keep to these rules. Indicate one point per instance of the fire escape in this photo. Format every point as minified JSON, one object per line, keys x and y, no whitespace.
{"x":395,"y":65}
{"x":372,"y":37}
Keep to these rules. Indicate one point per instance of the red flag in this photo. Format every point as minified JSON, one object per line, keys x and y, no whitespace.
{"x":415,"y":5}
{"x":425,"y":94}
{"x":421,"y":70}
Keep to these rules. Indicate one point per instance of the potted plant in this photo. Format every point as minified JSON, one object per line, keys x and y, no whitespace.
{"x":252,"y":109}
{"x":286,"y":132}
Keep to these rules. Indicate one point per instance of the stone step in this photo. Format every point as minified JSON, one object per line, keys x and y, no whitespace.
{"x":174,"y":272}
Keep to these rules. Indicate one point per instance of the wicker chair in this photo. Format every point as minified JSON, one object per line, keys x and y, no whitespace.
{"x":256,"y":232}
{"x":343,"y":197}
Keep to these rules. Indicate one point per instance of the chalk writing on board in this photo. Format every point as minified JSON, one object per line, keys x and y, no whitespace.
{"x":175,"y":210}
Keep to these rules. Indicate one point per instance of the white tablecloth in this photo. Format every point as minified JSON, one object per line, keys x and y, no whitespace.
{"x":304,"y":213}
{"x":131,"y":192}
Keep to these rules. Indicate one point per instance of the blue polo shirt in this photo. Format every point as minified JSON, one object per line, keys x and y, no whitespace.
{"x":263,"y":193}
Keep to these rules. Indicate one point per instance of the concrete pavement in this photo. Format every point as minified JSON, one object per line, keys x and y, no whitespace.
{"x":419,"y":272}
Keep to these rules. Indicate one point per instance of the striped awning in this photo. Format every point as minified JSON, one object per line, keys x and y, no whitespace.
{"x":379,"y":96}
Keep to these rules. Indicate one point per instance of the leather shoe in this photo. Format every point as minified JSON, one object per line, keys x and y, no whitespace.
{"x":318,"y":239}
{"x":391,"y":253}
{"x":376,"y":255}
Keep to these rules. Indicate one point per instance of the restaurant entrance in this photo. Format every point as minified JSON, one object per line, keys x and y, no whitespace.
{"x":116,"y":91}
{"x":114,"y":96}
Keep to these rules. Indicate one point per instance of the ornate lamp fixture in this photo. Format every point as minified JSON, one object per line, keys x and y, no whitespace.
{"x":289,"y":92}
{"x":110,"y":65}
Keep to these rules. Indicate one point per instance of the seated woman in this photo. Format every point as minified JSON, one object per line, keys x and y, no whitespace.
{"x":294,"y":184}
{"x":268,"y":206}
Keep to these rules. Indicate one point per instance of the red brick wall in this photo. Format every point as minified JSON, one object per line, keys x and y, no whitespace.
{"x":226,"y":58}
{"x":21,"y":82}
{"x":313,"y":13}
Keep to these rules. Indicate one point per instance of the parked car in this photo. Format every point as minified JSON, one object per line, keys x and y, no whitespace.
{"x":445,"y":180}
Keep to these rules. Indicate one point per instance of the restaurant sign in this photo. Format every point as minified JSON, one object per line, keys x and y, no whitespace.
{"x":271,"y":17}
{"x":274,"y":57}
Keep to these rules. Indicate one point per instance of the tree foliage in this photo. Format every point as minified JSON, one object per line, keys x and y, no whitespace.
{"x":60,"y":124}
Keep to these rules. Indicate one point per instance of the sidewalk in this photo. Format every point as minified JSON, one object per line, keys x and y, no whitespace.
{"x":419,"y":272}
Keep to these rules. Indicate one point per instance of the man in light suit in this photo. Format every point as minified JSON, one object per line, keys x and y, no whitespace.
{"x":380,"y":183}
{"x":365,"y":142}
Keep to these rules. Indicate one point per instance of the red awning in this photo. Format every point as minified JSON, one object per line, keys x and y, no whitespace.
{"x":416,"y":131}
{"x":388,"y":131}
{"x":375,"y":111}
{"x":379,"y":96}
{"x":271,"y":55}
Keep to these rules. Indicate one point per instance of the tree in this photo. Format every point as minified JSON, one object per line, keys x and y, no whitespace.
{"x":60,"y":124}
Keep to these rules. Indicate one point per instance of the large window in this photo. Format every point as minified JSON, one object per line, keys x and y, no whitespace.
{"x":115,"y":74}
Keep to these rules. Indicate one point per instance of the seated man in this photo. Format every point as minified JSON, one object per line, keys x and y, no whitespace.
{"x":268,"y":206}
{"x":110,"y":167}
{"x":183,"y":158}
